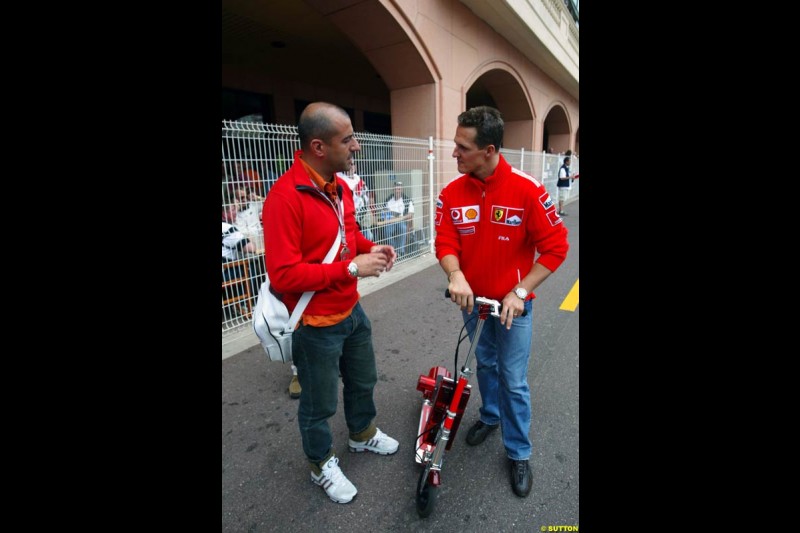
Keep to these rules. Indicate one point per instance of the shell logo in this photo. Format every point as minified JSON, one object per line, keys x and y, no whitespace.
{"x":471,"y":214}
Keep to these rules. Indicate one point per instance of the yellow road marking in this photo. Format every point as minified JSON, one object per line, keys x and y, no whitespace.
{"x":571,"y":301}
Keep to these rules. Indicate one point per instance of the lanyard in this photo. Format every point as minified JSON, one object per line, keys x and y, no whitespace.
{"x":338,"y":207}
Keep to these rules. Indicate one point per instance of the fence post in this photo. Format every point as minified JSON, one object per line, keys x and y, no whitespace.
{"x":544,"y":166}
{"x":522,"y":159}
{"x":433,"y":195}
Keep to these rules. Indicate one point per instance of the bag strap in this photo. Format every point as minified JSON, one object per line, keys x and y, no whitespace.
{"x":306,"y":297}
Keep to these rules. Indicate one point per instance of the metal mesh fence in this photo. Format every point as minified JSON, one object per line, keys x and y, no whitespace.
{"x":255,"y":155}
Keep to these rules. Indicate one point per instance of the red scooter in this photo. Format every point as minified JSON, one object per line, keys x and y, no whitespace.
{"x":443,"y":405}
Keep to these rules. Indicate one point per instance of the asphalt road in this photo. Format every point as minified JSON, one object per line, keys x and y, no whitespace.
{"x":265,"y":476}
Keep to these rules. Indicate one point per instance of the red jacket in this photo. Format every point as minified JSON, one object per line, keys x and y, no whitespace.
{"x":496,"y":227}
{"x":300,"y":225}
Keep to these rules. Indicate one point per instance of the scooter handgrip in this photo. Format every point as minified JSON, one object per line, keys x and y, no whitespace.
{"x":447,"y":295}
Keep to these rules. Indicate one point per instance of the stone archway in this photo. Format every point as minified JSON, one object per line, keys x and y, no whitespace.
{"x":394,"y":49}
{"x":499,"y":86}
{"x":556,"y":130}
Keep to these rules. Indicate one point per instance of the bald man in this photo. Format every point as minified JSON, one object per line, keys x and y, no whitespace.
{"x":302,"y":213}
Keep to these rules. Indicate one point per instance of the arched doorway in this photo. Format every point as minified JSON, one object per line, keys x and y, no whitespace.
{"x":556,"y":131}
{"x":499,"y":88}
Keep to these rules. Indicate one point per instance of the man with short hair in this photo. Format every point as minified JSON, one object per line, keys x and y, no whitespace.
{"x":564,"y":185}
{"x":304,"y":210}
{"x":498,"y":236}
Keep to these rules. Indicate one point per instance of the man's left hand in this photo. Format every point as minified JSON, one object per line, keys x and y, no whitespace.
{"x":388,"y":251}
{"x":513,"y":307}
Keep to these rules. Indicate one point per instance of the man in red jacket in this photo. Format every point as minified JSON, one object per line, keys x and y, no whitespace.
{"x":490,"y":224}
{"x":302,"y":213}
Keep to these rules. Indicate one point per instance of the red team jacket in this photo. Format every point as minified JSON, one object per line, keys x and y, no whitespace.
{"x":300,"y":225}
{"x":497,"y":227}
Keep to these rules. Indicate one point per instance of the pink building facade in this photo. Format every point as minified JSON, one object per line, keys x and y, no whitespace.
{"x":411,"y":65}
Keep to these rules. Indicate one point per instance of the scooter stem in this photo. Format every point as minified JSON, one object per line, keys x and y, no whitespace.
{"x":466,"y":371}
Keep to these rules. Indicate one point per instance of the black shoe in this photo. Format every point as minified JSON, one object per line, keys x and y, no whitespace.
{"x":478,"y":432}
{"x":521,"y":478}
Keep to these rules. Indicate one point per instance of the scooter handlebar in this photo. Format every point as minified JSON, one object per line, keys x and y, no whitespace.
{"x":496,"y":306}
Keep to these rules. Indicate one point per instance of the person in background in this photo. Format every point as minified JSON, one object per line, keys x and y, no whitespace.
{"x":236,"y":246}
{"x":498,"y":236}
{"x":400,"y":210}
{"x":245,"y":211}
{"x":360,"y":196}
{"x":367,"y":222}
{"x":247,"y":175}
{"x":564,"y":185}
{"x":248,"y":215}
{"x":229,"y":211}
{"x":303,"y":211}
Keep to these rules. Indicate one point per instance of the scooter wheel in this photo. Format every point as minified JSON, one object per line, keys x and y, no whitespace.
{"x":426,"y":494}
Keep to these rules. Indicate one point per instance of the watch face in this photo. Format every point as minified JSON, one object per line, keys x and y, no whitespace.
{"x":521,"y":292}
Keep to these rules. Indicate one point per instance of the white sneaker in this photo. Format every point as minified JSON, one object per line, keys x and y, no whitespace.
{"x":381,"y":443}
{"x":336,"y":485}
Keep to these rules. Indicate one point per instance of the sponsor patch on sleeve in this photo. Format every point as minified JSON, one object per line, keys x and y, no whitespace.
{"x":439,"y":217}
{"x":554,"y":218}
{"x":546,"y":201}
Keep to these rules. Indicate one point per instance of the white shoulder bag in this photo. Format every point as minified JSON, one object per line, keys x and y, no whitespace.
{"x":271,"y":320}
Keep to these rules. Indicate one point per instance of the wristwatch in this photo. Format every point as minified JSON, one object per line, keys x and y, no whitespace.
{"x":352,"y":269}
{"x":521,"y":292}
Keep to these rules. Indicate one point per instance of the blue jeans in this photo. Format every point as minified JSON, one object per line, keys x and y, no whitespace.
{"x":396,"y":232}
{"x":319,"y":355}
{"x":502,"y":368}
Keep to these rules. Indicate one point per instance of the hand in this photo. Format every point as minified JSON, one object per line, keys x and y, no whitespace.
{"x":461,"y":292}
{"x":388,"y":251}
{"x":512,"y":308}
{"x":374,"y":263}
